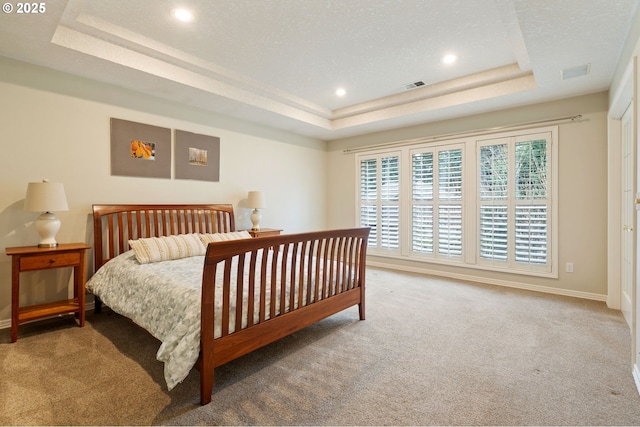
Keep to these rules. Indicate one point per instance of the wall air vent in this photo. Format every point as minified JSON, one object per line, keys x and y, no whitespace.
{"x":413,"y":85}
{"x":569,"y":73}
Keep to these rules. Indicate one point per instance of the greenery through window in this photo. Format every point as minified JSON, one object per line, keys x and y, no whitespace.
{"x":517,"y":167}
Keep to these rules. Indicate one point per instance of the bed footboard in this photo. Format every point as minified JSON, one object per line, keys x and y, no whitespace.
{"x":289,"y":282}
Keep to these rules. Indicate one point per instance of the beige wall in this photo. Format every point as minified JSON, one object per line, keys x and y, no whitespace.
{"x":582,"y":192}
{"x":57,"y":127}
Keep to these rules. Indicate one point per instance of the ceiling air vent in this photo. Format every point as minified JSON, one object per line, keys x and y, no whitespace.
{"x":569,"y":73}
{"x":413,"y":85}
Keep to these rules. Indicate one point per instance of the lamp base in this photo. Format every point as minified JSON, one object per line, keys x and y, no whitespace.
{"x":47,"y":225}
{"x":48,"y":245}
{"x":255,"y":219}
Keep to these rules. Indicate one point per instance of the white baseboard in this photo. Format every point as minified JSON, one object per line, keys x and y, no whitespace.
{"x":489,"y":281}
{"x":6,"y":323}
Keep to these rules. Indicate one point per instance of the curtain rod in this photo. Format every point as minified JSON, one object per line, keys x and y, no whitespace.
{"x":478,"y":132}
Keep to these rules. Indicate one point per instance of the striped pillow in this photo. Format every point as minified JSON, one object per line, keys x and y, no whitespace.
{"x":219,"y":237}
{"x":154,"y":249}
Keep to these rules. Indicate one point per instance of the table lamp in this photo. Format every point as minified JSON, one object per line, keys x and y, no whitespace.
{"x":46,"y":197}
{"x":256,"y":202}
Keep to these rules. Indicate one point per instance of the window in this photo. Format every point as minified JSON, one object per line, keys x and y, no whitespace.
{"x":514,"y":202}
{"x":437,"y":216}
{"x":493,"y":229}
{"x":477,"y":202}
{"x":380,"y":200}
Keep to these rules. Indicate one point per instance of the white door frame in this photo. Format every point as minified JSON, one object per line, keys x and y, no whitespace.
{"x":620,"y":101}
{"x":629,"y":218}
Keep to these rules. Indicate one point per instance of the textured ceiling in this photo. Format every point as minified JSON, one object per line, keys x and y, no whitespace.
{"x":279,"y":62}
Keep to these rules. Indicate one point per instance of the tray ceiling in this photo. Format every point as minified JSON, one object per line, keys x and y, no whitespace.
{"x":280,"y":62}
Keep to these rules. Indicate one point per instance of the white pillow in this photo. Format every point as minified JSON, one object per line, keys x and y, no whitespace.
{"x":154,"y":249}
{"x":219,"y":237}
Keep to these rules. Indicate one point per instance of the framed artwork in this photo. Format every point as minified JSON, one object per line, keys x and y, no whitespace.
{"x":197,"y":156}
{"x":139,"y":149}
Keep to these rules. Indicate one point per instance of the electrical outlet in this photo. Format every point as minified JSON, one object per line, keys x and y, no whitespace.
{"x":569,"y":267}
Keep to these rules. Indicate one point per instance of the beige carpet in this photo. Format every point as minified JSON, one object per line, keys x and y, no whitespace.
{"x":431,"y":352}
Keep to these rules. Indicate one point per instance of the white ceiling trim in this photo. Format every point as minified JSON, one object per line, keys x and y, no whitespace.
{"x":89,"y":45}
{"x":101,"y":39}
{"x":178,"y":57}
{"x":485,"y":78}
{"x":480,"y":86}
{"x":459,"y":97}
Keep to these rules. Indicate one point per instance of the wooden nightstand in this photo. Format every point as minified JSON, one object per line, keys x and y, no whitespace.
{"x":264,"y":232}
{"x":33,"y":258}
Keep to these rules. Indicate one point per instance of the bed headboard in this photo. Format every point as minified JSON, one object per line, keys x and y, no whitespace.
{"x":115,"y":225}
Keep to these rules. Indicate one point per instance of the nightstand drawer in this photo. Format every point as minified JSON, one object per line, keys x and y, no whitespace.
{"x":49,"y":261}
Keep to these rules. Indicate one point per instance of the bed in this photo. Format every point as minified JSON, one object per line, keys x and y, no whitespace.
{"x":213,"y":303}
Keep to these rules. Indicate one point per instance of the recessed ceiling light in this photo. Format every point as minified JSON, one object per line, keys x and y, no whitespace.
{"x":183,"y":15}
{"x":341,"y":92}
{"x":449,"y":58}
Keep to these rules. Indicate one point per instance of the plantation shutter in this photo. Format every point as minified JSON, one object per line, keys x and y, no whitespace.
{"x":514,"y":202}
{"x":369,"y":197}
{"x":422,"y":203}
{"x":450,"y":202}
{"x":390,"y":207}
{"x":532,"y":204}
{"x":380,"y":200}
{"x":436,"y":202}
{"x":494,"y":202}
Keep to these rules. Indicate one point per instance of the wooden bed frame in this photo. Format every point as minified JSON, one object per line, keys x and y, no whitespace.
{"x":328,"y":276}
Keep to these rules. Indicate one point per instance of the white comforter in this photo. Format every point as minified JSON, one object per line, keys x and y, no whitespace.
{"x":162,"y":297}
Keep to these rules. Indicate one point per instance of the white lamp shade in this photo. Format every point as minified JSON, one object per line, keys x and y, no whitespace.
{"x":256,"y":200}
{"x":45,"y":196}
